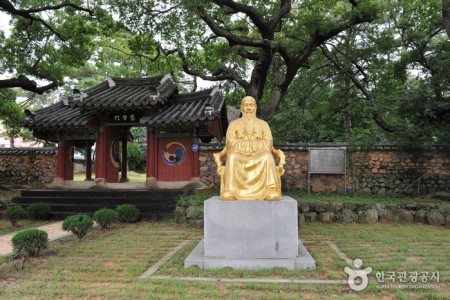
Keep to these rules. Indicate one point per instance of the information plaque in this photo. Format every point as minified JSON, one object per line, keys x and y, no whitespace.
{"x":327,"y":161}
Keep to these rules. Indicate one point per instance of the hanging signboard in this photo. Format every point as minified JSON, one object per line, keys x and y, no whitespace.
{"x":124,"y":117}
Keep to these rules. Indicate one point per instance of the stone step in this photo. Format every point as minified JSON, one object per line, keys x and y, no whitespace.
{"x":154,"y":204}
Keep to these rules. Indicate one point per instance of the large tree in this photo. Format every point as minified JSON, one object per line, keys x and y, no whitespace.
{"x":392,"y":74}
{"x":261,"y":46}
{"x":47,"y":38}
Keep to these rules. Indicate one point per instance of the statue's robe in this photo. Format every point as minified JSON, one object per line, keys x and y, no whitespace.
{"x":250,"y":170}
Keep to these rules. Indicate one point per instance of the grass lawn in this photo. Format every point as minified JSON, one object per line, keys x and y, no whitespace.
{"x":107,"y":264}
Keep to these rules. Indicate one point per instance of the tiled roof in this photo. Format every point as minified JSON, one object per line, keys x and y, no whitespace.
{"x":155,"y":97}
{"x":187,"y":108}
{"x":126,"y":93}
{"x":23,"y":151}
{"x":58,"y":116}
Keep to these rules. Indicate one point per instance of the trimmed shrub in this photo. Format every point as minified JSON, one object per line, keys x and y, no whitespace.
{"x":14,"y":213}
{"x":105,"y":217}
{"x":38,"y":211}
{"x":128,"y":213}
{"x":78,"y":224}
{"x":31,"y":241}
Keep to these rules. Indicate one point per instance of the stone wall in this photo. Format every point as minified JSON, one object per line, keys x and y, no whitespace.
{"x":383,"y":169}
{"x":27,"y":166}
{"x":339,"y":212}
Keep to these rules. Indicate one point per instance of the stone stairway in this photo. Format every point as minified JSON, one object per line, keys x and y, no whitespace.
{"x":157,"y":204}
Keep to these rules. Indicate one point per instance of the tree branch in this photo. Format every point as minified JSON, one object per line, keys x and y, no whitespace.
{"x":251,"y":12}
{"x":376,"y":114}
{"x":27,"y":84}
{"x":321,"y":36}
{"x":223,"y":73}
{"x":247,"y":54}
{"x":446,"y":15}
{"x":231,"y":37}
{"x":285,"y":8}
{"x":7,"y":6}
{"x":152,"y":59}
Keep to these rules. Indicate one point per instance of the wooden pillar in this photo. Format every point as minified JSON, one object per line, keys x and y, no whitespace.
{"x":106,"y":169}
{"x":151,"y":163}
{"x":88,"y":162}
{"x":124,"y":167}
{"x":100,"y":153}
{"x":195,"y":160}
{"x":64,"y":161}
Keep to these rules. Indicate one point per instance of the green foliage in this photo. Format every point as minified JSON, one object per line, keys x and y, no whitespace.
{"x":38,"y":211}
{"x":10,"y":113}
{"x":134,"y":156}
{"x":14,"y":213}
{"x":78,"y":225}
{"x":128,"y":213}
{"x":139,"y":134}
{"x":30,"y":241}
{"x":50,"y":48}
{"x":105,"y":217}
{"x":189,"y":210}
{"x":197,"y":198}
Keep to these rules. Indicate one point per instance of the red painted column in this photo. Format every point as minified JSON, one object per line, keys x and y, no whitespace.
{"x":195,"y":160}
{"x":64,"y":161}
{"x":112,"y":147}
{"x":88,"y":162}
{"x":105,"y":169}
{"x":124,"y":167}
{"x":60,"y":161}
{"x":151,"y":164}
{"x":100,"y":153}
{"x":68,"y":170}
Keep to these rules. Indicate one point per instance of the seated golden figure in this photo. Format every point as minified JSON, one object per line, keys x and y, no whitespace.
{"x":250,"y":172}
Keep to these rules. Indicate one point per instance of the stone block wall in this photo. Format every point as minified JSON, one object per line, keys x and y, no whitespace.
{"x":384,"y":169}
{"x":27,"y":166}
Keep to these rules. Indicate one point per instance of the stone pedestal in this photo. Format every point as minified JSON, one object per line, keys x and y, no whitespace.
{"x":250,"y":235}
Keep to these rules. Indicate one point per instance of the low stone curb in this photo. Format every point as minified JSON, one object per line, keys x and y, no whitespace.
{"x":338,"y":212}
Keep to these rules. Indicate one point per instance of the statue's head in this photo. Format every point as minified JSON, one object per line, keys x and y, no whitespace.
{"x":248,"y":106}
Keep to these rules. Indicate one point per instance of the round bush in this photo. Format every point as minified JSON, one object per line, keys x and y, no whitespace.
{"x":14,"y":213}
{"x":105,"y":217}
{"x":78,"y":225}
{"x":31,"y":241}
{"x":128,"y":213}
{"x":38,"y":211}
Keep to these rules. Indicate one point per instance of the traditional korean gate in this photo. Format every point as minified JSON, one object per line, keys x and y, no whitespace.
{"x":175,"y":159}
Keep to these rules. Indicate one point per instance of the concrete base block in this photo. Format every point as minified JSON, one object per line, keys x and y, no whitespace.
{"x":250,"y":235}
{"x":303,"y":260}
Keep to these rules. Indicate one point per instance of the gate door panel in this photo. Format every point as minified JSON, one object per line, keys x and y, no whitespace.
{"x":174,"y":159}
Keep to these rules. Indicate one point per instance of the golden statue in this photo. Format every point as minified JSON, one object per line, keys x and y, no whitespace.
{"x":250,"y":172}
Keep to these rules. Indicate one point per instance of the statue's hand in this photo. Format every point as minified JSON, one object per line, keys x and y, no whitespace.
{"x":282,"y":162}
{"x":220,"y":171}
{"x":218,"y":163}
{"x":282,"y":157}
{"x":281,"y":170}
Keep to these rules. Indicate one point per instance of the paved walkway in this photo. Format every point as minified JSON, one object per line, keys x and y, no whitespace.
{"x":54,"y":231}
